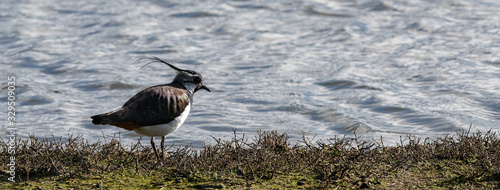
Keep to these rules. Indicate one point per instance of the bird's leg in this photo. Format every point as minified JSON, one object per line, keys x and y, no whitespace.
{"x":154,"y":147}
{"x":162,"y":147}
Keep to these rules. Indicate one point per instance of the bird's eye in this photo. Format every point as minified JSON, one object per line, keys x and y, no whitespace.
{"x":197,"y":79}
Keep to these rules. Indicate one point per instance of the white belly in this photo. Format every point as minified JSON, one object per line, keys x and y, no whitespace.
{"x":164,"y":129}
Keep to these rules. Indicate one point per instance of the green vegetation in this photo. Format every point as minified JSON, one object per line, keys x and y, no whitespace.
{"x":268,"y":161}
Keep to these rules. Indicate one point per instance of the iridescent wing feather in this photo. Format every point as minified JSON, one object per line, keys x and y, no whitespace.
{"x":154,"y":105}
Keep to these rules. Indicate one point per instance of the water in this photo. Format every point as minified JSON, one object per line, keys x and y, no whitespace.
{"x":316,"y":67}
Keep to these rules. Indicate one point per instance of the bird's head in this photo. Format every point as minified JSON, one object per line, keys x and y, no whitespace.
{"x":191,"y":80}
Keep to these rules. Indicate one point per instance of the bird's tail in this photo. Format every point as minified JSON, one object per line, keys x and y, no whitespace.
{"x":106,"y":118}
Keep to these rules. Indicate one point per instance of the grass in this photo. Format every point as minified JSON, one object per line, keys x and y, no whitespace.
{"x":267,"y":161}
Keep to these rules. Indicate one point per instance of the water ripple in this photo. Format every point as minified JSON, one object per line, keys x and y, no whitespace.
{"x":312,"y":67}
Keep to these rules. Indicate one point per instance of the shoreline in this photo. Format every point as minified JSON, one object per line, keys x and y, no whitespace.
{"x":266,"y":161}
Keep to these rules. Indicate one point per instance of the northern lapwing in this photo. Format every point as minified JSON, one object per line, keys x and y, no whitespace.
{"x":158,"y":110}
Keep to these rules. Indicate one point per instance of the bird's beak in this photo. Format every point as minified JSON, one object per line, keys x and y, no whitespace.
{"x":205,"y":87}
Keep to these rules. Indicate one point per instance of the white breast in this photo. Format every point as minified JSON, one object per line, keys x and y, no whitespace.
{"x":164,"y":129}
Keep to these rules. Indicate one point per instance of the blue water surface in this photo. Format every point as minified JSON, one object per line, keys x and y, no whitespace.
{"x":323,"y":68}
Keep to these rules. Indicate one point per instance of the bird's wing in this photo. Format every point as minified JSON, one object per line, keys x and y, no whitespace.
{"x":154,"y":105}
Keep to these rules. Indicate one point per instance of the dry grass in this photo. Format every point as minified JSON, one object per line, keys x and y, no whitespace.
{"x":462,"y":160}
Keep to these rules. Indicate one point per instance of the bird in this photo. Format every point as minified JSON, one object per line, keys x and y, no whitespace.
{"x":157,"y":110}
